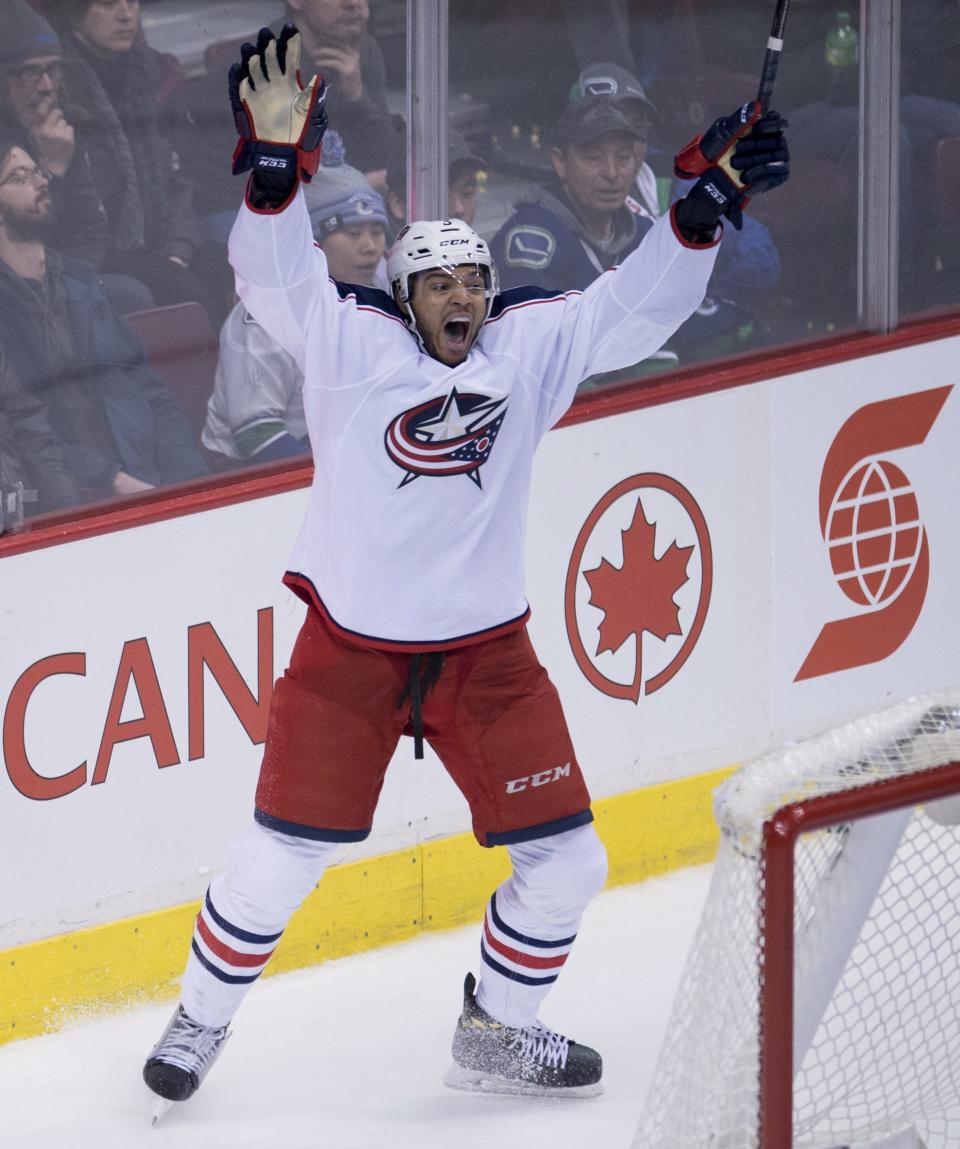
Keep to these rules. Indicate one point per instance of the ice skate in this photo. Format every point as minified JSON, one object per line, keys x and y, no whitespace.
{"x":161,"y":1106}
{"x":181,"y":1059}
{"x":534,"y":1061}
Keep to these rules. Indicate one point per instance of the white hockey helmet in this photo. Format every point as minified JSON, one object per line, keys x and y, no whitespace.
{"x":427,"y":244}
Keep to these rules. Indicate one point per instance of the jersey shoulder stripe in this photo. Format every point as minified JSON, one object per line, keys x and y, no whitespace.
{"x":368,"y":299}
{"x":516,"y":297}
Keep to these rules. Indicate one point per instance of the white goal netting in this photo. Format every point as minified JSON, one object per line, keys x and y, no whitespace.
{"x":876,"y":1035}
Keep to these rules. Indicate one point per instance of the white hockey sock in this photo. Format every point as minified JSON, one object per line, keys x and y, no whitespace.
{"x":243,"y":916}
{"x":532,"y":920}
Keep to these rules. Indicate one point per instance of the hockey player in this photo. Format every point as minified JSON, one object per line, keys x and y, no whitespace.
{"x":424,"y":411}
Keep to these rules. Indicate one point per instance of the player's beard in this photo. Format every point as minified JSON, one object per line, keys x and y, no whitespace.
{"x":32,"y":225}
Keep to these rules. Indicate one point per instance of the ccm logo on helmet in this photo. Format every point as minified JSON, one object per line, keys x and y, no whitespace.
{"x":543,"y":778}
{"x":454,"y":242}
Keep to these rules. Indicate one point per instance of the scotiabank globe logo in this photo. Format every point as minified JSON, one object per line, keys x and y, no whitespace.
{"x":638,"y":586}
{"x":871,"y":523}
{"x":874,"y":534}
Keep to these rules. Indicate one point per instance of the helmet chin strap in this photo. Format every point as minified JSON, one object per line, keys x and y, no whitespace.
{"x":406,"y":308}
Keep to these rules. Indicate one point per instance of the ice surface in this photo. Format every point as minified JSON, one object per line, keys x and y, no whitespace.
{"x":351,"y":1054}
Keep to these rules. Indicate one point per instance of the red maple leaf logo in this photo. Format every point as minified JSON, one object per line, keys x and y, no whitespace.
{"x":638,"y":596}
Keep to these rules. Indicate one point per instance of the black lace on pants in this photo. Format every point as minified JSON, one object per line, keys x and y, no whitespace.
{"x":425,"y":669}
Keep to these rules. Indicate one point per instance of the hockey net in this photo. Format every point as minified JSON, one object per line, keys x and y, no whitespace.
{"x":820,"y":1004}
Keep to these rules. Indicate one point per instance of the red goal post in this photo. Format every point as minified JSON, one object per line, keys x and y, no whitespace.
{"x":820,"y":1003}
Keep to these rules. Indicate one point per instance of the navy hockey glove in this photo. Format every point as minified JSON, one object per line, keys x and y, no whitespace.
{"x":716,"y":143}
{"x":280,"y":120}
{"x":740,"y":156}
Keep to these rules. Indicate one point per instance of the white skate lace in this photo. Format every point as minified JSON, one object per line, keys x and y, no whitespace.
{"x":538,"y":1043}
{"x":189,"y":1045}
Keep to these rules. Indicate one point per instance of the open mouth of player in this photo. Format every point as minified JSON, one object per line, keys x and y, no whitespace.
{"x":456,"y":333}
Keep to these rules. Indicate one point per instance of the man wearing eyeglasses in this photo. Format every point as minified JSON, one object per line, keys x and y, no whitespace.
{"x":119,"y":428}
{"x":31,"y":81}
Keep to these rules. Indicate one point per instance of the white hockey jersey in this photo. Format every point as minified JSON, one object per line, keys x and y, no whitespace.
{"x":258,"y":386}
{"x":414,"y":532}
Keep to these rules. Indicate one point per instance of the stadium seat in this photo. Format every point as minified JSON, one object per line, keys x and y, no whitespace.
{"x":182,"y":348}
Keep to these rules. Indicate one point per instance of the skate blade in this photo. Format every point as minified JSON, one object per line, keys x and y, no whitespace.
{"x":475,"y":1081}
{"x":161,"y":1106}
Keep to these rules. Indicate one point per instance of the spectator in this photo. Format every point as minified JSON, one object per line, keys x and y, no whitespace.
{"x":360,"y":124}
{"x":31,"y":111}
{"x":33,"y":476}
{"x":336,"y":44}
{"x":256,"y":409}
{"x":126,"y":102}
{"x":583,"y":222}
{"x":119,"y":428}
{"x":610,"y":80}
{"x":747,"y":267}
{"x":563,"y":235}
{"x":466,"y":173}
{"x":349,"y":223}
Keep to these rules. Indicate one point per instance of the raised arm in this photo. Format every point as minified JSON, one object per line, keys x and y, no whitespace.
{"x":623,"y":317}
{"x":628,"y":313}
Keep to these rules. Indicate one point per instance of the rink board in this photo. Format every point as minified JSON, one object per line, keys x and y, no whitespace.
{"x":137,"y":664}
{"x":358,"y":906}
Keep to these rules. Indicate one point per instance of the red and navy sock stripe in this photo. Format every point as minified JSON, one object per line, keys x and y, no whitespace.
{"x":233,"y":955}
{"x":519,"y":957}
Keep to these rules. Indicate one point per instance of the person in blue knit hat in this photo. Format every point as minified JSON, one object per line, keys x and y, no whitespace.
{"x":349,"y":221}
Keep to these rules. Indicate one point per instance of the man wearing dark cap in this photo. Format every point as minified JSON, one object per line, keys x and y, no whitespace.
{"x":748,"y":265}
{"x":611,"y":80}
{"x":31,"y":78}
{"x":579,"y":224}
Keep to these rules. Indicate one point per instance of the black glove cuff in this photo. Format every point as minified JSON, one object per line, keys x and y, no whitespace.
{"x":692,"y":232}
{"x":270,"y":190}
{"x":713,"y":196}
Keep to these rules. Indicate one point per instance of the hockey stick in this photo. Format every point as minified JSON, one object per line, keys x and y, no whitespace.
{"x":771,"y":60}
{"x":768,"y":75}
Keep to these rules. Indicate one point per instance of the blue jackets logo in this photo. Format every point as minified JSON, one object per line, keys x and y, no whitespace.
{"x":452,"y":435}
